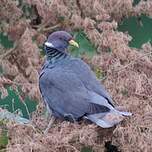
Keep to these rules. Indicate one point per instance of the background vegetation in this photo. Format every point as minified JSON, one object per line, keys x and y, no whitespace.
{"x":115,"y":38}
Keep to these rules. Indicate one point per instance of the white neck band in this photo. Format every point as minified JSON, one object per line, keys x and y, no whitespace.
{"x":49,"y":44}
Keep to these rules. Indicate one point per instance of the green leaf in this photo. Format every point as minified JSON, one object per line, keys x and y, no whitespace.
{"x":5,"y":41}
{"x":99,"y":73}
{"x":140,"y":28}
{"x":3,"y":139}
{"x":86,"y":149}
{"x":135,"y":2}
{"x":13,"y":103}
{"x":85,"y":45}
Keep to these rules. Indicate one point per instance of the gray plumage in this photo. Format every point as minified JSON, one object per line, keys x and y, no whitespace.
{"x":71,"y":90}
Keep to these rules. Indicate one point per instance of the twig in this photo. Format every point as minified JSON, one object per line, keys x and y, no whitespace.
{"x":13,"y":109}
{"x":51,"y":28}
{"x":8,"y":52}
{"x":3,"y":150}
{"x":41,"y":28}
{"x":28,"y":113}
{"x":6,"y":81}
{"x":132,"y":62}
{"x":49,"y":125}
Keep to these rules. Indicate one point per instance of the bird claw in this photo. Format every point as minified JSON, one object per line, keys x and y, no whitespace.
{"x":69,"y":117}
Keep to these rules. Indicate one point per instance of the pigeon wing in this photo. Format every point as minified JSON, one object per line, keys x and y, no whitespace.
{"x":65,"y":93}
{"x":85,"y":74}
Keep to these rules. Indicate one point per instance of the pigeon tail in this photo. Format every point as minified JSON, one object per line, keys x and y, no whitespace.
{"x":108,"y":119}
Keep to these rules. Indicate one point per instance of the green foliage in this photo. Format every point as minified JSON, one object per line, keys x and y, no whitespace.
{"x":61,"y":18}
{"x":14,"y":104}
{"x":5,"y":41}
{"x":3,"y":136}
{"x":124,"y":92}
{"x":86,"y":149}
{"x":135,"y":2}
{"x":140,"y":28}
{"x":85,"y":46}
{"x":29,"y":12}
{"x":41,"y":49}
{"x":99,"y":73}
{"x":3,"y":140}
{"x":26,"y":8}
{"x":1,"y":71}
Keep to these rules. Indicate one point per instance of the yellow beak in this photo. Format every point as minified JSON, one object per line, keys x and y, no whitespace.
{"x":74,"y":43}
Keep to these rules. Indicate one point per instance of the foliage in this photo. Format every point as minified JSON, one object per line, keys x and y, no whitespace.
{"x":86,"y":149}
{"x":3,"y":135}
{"x":14,"y":104}
{"x":127,"y":71}
{"x":5,"y":42}
{"x":139,"y":28}
{"x":3,"y":140}
{"x":86,"y":47}
{"x":135,"y":2}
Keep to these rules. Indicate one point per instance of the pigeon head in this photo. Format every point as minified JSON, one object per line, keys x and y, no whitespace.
{"x":60,"y":40}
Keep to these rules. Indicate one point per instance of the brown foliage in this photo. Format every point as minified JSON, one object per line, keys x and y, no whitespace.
{"x":128,"y":71}
{"x":63,"y":136}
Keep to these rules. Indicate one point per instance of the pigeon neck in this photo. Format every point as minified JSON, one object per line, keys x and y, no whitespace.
{"x":54,"y":55}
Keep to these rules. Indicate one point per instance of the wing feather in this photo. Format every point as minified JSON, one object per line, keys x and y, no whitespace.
{"x":89,"y":79}
{"x":64,"y":92}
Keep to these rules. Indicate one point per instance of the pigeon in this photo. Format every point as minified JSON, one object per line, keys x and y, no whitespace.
{"x":70,"y":89}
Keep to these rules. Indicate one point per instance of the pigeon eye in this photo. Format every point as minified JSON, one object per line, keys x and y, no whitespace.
{"x":63,"y":39}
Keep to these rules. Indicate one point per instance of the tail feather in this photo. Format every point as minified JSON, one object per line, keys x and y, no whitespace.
{"x":125,"y":113}
{"x":108,"y":119}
